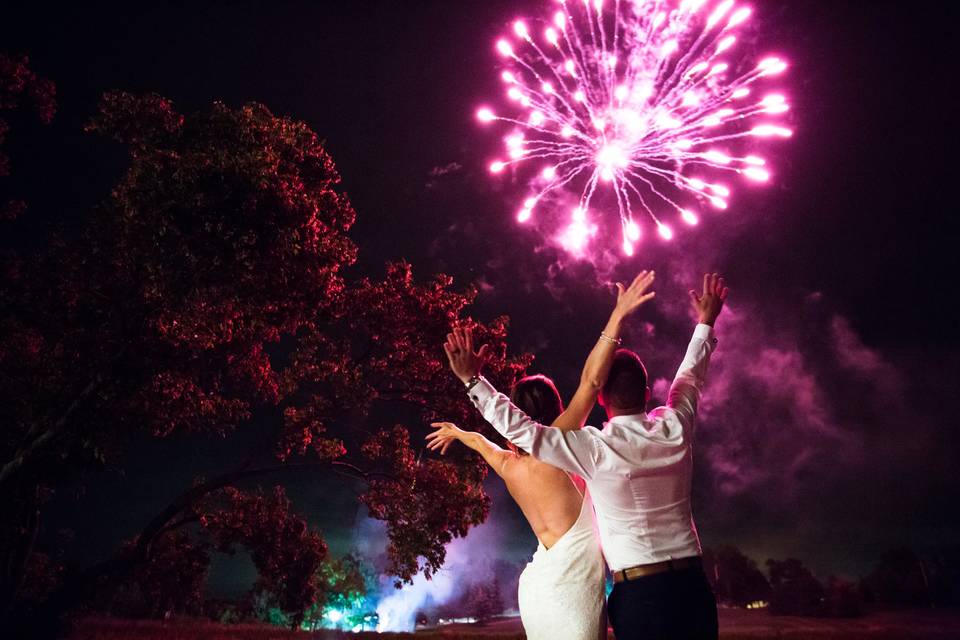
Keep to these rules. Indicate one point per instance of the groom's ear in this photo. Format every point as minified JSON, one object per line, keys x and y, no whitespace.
{"x":646,"y":397}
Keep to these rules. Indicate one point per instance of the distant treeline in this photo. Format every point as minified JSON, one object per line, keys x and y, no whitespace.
{"x":901,"y":577}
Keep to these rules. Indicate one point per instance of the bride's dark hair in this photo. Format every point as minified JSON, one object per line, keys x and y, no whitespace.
{"x":537,"y":397}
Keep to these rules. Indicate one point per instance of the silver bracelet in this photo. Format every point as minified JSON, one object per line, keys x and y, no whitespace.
{"x":616,"y":341}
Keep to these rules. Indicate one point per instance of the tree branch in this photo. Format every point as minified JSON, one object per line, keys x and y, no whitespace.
{"x":73,"y":591}
{"x":24,"y":454}
{"x":178,"y":523}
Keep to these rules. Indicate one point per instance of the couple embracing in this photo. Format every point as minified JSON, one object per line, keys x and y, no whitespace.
{"x":629,"y":482}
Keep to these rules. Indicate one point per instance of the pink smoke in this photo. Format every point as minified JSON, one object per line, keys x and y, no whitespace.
{"x":469,"y":560}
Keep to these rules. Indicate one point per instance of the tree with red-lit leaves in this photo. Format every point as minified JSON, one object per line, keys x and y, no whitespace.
{"x":26,"y":572}
{"x":287,"y":553}
{"x":209,"y":287}
{"x":20,"y":87}
{"x":170,"y":581}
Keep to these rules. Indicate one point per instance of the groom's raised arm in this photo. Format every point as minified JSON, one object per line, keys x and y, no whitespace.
{"x":575,"y":451}
{"x":684,"y":393}
{"x":564,"y":446}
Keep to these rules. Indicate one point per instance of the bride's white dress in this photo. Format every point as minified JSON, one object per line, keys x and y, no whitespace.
{"x":561,"y":590}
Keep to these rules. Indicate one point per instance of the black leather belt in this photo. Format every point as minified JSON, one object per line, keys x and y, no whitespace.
{"x":643,"y":570}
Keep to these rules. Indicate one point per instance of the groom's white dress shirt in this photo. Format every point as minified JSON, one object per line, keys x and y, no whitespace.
{"x":638,"y":468}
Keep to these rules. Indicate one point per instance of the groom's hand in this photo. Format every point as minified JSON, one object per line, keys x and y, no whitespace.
{"x":464,"y":361}
{"x":710,"y":301}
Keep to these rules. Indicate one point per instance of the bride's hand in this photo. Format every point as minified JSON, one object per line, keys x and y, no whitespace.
{"x":629,"y":299}
{"x":446,"y":433}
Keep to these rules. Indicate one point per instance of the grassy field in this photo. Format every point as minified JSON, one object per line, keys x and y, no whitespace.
{"x":734,"y":625}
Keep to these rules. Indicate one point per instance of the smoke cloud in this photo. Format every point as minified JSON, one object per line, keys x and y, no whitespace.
{"x":489,"y":553}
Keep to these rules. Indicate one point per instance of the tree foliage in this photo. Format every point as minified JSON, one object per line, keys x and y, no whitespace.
{"x":795,"y":590}
{"x":483,"y":600}
{"x":735,"y":578}
{"x":287,"y":553}
{"x":20,"y":87}
{"x":169,"y":582}
{"x":345,"y":582}
{"x":843,"y":598}
{"x":215,"y":284}
{"x":902,"y":577}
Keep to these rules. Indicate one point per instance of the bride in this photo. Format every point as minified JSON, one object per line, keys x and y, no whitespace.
{"x":561,"y":590}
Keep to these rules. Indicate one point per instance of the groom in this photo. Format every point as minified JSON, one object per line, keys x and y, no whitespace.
{"x":638,"y":470}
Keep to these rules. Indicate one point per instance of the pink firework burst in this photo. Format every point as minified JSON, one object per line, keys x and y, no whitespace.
{"x":642,"y":98}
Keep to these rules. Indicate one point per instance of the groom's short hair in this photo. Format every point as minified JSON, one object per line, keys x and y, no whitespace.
{"x":626,"y":385}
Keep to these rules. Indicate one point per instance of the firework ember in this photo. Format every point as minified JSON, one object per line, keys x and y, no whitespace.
{"x":641,"y":99}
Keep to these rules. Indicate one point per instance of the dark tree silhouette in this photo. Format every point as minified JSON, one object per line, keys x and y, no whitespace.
{"x":507,"y":574}
{"x":842,"y":598}
{"x":902,"y":577}
{"x":795,"y":590}
{"x":735,"y":578}
{"x":212,"y":285}
{"x":19,"y":87}
{"x":169,"y":582}
{"x":483,"y":600}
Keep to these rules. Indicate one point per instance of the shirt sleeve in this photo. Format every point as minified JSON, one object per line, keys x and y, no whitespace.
{"x":685,"y":391}
{"x":576,"y":451}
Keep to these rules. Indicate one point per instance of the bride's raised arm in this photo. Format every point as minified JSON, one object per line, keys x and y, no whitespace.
{"x":447,"y":432}
{"x":597,"y":367}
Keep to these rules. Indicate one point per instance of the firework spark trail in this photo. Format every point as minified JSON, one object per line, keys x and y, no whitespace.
{"x":635,"y":98}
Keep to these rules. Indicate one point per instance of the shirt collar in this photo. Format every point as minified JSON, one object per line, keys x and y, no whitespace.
{"x":630,"y":418}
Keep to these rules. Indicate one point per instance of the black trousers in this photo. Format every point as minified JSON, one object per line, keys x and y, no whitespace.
{"x":673,"y":605}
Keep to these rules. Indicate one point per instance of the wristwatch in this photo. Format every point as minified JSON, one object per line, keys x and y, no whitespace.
{"x":472,"y":382}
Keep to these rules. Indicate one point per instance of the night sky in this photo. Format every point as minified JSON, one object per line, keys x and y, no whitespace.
{"x":827,"y":431}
